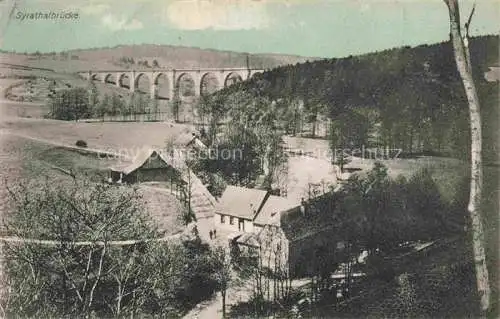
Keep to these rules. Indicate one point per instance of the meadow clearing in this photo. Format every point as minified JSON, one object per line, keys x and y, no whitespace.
{"x":24,"y":160}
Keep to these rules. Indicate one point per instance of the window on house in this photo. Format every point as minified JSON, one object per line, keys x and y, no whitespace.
{"x":222,"y":219}
{"x":231,"y":220}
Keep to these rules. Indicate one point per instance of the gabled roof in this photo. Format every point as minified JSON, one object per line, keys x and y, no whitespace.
{"x":273,"y":207}
{"x":139,"y":161}
{"x":241,"y":202}
{"x":184,"y":139}
{"x":248,"y":239}
{"x":197,"y":143}
{"x":318,"y":216}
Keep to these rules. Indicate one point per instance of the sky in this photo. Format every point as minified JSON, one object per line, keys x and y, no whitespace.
{"x":313,"y":28}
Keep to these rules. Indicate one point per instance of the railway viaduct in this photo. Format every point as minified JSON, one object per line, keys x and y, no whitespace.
{"x":171,"y":77}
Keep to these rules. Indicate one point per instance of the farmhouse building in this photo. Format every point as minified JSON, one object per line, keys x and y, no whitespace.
{"x":281,"y":229}
{"x":148,"y":166}
{"x":296,"y":250}
{"x":238,"y":208}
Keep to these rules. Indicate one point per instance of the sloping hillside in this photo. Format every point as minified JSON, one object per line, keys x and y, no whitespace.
{"x":186,"y":57}
{"x":406,"y":98}
{"x":165,"y":55}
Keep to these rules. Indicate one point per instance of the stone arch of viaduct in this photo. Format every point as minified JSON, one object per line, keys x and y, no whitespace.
{"x":224,"y":78}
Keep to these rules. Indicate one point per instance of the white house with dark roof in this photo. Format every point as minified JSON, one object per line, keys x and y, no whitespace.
{"x":238,"y":207}
{"x":260,"y":222}
{"x":249,"y":210}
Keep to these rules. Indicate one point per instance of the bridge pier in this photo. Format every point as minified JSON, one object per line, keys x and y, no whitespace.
{"x":117,"y":82}
{"x":171,"y":85}
{"x":132,"y":82}
{"x":221,"y":78}
{"x":153,"y":90}
{"x":197,"y":84}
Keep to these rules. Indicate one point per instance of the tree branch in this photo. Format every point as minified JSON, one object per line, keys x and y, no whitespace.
{"x":98,"y":277}
{"x":467,"y":37}
{"x":60,"y":259}
{"x":87,"y":268}
{"x":467,"y":24}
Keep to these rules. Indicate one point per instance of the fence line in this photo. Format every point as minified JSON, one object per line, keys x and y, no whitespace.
{"x":142,"y":117}
{"x":13,"y":239}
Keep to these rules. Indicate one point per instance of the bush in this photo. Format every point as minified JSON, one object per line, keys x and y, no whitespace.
{"x":81,"y":143}
{"x":70,"y":104}
{"x":147,"y":279}
{"x":377,"y":266}
{"x":217,"y":184}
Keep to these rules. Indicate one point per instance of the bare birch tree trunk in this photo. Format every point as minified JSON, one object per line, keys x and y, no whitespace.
{"x":462,"y":58}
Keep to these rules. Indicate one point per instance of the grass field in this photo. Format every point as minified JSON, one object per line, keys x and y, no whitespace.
{"x":12,"y":109}
{"x":59,"y":65}
{"x":24,"y":159}
{"x":112,"y":136}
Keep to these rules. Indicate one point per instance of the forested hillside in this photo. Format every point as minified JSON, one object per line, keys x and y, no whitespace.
{"x":407,"y":98}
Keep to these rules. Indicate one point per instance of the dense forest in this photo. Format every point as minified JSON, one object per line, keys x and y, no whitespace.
{"x":406,"y":98}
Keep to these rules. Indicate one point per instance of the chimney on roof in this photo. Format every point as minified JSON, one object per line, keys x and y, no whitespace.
{"x":253,"y":209}
{"x":303,"y":206}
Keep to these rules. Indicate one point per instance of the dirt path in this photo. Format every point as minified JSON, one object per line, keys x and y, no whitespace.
{"x":212,"y":309}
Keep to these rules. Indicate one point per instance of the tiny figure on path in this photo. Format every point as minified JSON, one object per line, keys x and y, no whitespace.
{"x":211,"y":234}
{"x":214,"y":234}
